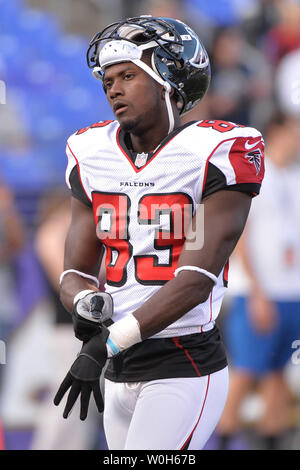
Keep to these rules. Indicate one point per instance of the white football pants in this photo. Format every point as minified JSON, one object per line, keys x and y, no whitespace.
{"x":165,"y":414}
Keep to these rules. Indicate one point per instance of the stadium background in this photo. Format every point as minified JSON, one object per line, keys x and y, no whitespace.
{"x":47,"y":93}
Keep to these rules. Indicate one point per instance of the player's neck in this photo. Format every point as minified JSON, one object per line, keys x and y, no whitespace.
{"x":151,"y":138}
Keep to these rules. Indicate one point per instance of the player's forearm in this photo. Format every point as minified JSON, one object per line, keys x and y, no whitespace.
{"x":83,"y":253}
{"x":172,"y":301}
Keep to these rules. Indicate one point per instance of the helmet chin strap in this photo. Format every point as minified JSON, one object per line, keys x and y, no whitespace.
{"x":166,"y":86}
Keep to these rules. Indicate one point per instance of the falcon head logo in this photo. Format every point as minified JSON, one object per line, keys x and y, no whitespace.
{"x":254,"y":157}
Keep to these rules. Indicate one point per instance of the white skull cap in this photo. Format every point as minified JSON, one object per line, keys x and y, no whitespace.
{"x":114,"y":52}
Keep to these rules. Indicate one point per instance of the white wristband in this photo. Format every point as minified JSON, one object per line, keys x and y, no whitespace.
{"x":123,"y":334}
{"x":87,"y":276}
{"x":199,"y":270}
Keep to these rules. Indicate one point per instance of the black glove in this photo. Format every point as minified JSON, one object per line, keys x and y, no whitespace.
{"x":90,"y":312}
{"x":84,"y":376}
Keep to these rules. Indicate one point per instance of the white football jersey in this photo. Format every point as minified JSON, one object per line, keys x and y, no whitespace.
{"x":143,"y":203}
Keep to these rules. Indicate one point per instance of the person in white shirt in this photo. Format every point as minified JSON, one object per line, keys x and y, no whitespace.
{"x":263,"y":319}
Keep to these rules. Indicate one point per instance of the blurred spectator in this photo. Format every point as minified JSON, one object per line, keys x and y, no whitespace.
{"x":287,"y":83}
{"x":11,"y":241}
{"x":284,"y":36}
{"x":241,"y":81}
{"x":12,"y":130}
{"x":264,"y":318}
{"x":76,"y":16}
{"x":52,"y":432}
{"x":262,"y":18}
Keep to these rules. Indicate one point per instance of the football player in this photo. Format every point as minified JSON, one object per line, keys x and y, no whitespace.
{"x":167,"y":204}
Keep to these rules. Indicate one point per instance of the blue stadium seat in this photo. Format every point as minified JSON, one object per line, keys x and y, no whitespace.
{"x":46,"y":74}
{"x":10,"y":10}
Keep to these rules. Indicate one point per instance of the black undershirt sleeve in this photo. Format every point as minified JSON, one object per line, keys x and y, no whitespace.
{"x":76,"y":187}
{"x":216,"y":181}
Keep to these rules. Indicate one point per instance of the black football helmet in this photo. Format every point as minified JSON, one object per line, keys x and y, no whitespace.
{"x":178,"y":57}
